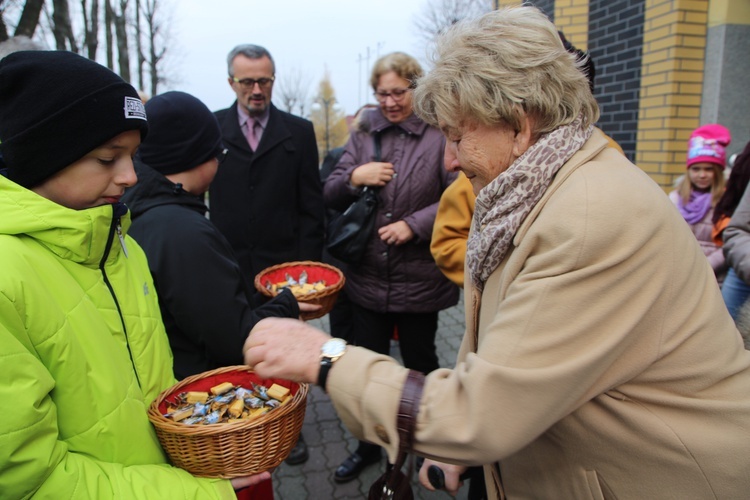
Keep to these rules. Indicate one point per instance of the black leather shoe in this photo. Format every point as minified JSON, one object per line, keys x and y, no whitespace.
{"x":352,"y":466}
{"x":299,"y":454}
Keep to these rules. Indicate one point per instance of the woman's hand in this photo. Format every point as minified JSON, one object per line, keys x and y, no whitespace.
{"x":243,"y":482}
{"x":285,"y":348}
{"x":451,"y":472}
{"x":397,"y":233}
{"x":375,"y":173}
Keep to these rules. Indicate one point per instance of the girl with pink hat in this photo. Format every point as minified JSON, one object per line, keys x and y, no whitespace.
{"x":698,"y":192}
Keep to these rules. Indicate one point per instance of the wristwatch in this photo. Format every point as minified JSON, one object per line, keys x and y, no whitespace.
{"x":330,"y":351}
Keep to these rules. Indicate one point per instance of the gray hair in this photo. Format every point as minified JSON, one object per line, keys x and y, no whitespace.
{"x":251,"y":52}
{"x":18,"y":43}
{"x":496,"y":68}
{"x":404,"y":65}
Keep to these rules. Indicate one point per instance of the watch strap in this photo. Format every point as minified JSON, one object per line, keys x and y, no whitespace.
{"x":325,"y":366}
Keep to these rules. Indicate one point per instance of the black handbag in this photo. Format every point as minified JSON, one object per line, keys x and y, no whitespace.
{"x":394,"y":484}
{"x":348,"y":234}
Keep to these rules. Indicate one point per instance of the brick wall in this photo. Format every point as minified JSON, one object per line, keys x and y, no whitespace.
{"x":615,"y":39}
{"x":546,"y":6}
{"x":674,"y":49}
{"x":572,"y":18}
{"x":651,"y":73}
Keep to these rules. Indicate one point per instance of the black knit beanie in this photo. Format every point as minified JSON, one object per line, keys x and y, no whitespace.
{"x":56,"y":107}
{"x":183,"y":133}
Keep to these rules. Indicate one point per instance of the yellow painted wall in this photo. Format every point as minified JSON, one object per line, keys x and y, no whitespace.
{"x":672,"y":71}
{"x":728,"y":12}
{"x":674,"y":42}
{"x":572,"y":18}
{"x":507,"y":3}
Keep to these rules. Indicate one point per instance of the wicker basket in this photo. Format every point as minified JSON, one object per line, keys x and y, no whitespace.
{"x":229,"y":450}
{"x":333,"y":277}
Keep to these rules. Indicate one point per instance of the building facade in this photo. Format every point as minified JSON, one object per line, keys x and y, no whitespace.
{"x":663,"y":68}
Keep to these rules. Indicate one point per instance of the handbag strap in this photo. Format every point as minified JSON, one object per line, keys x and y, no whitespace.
{"x":376,"y":157}
{"x":376,"y":142}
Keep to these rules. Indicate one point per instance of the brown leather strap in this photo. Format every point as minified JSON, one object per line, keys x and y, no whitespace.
{"x":408,"y":409}
{"x":406,"y":421}
{"x":394,"y":484}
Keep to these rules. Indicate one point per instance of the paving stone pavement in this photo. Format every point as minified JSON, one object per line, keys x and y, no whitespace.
{"x":330,"y":443}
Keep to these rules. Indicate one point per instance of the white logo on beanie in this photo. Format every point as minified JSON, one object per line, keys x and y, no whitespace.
{"x":134,"y":108}
{"x":701,"y":146}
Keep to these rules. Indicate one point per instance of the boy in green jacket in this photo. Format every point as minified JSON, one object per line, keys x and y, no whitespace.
{"x":82,"y":345}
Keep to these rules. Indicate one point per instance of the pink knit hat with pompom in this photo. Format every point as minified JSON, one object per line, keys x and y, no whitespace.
{"x":708,"y":144}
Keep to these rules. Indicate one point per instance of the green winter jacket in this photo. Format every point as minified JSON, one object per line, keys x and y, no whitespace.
{"x":82,"y":354}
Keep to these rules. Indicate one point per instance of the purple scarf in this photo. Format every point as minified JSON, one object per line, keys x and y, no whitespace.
{"x":696,"y":208}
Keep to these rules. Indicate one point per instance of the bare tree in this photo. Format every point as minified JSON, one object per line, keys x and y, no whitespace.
{"x":121,"y":34}
{"x":62,"y":28}
{"x":292,"y":90}
{"x":140,"y":58}
{"x":156,"y":46}
{"x":437,"y":15}
{"x":91,"y":27}
{"x":29,"y":19}
{"x":134,"y":30}
{"x":3,"y":28}
{"x":109,"y":20}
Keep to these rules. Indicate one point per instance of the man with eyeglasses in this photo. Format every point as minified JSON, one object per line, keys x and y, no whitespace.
{"x":267,"y":198}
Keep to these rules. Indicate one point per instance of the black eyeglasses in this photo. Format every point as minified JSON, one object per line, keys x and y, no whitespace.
{"x":222,"y":156}
{"x":396,"y":94}
{"x":249,"y":83}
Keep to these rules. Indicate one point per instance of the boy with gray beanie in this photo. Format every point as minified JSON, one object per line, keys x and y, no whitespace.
{"x":83,"y":347}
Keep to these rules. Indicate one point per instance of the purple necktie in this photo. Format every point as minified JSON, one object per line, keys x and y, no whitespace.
{"x":253,"y":134}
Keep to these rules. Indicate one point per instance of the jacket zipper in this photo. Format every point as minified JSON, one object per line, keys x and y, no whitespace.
{"x":118,"y":210}
{"x":118,"y":228}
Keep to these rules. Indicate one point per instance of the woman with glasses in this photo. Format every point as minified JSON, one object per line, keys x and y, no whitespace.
{"x":397,"y":285}
{"x":207,"y":305}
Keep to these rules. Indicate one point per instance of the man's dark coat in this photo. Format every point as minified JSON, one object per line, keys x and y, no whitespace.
{"x":269,"y":204}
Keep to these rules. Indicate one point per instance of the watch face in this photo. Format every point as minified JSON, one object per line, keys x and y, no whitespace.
{"x":332,"y":348}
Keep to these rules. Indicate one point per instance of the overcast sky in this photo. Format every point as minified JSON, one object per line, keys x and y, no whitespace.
{"x":307,"y":35}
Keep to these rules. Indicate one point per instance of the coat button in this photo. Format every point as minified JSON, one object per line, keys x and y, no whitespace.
{"x":389,"y":215}
{"x":382,"y":434}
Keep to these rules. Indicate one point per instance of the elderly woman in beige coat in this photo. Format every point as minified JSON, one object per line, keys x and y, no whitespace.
{"x":599,"y":360}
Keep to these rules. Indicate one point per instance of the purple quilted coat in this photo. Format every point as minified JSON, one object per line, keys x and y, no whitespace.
{"x":397,"y":278}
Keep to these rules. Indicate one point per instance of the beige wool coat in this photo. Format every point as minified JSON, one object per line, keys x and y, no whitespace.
{"x":598,"y":363}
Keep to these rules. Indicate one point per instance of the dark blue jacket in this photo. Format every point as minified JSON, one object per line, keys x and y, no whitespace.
{"x":207,"y":304}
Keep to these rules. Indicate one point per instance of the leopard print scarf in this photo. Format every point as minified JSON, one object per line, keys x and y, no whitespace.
{"x":504,"y":203}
